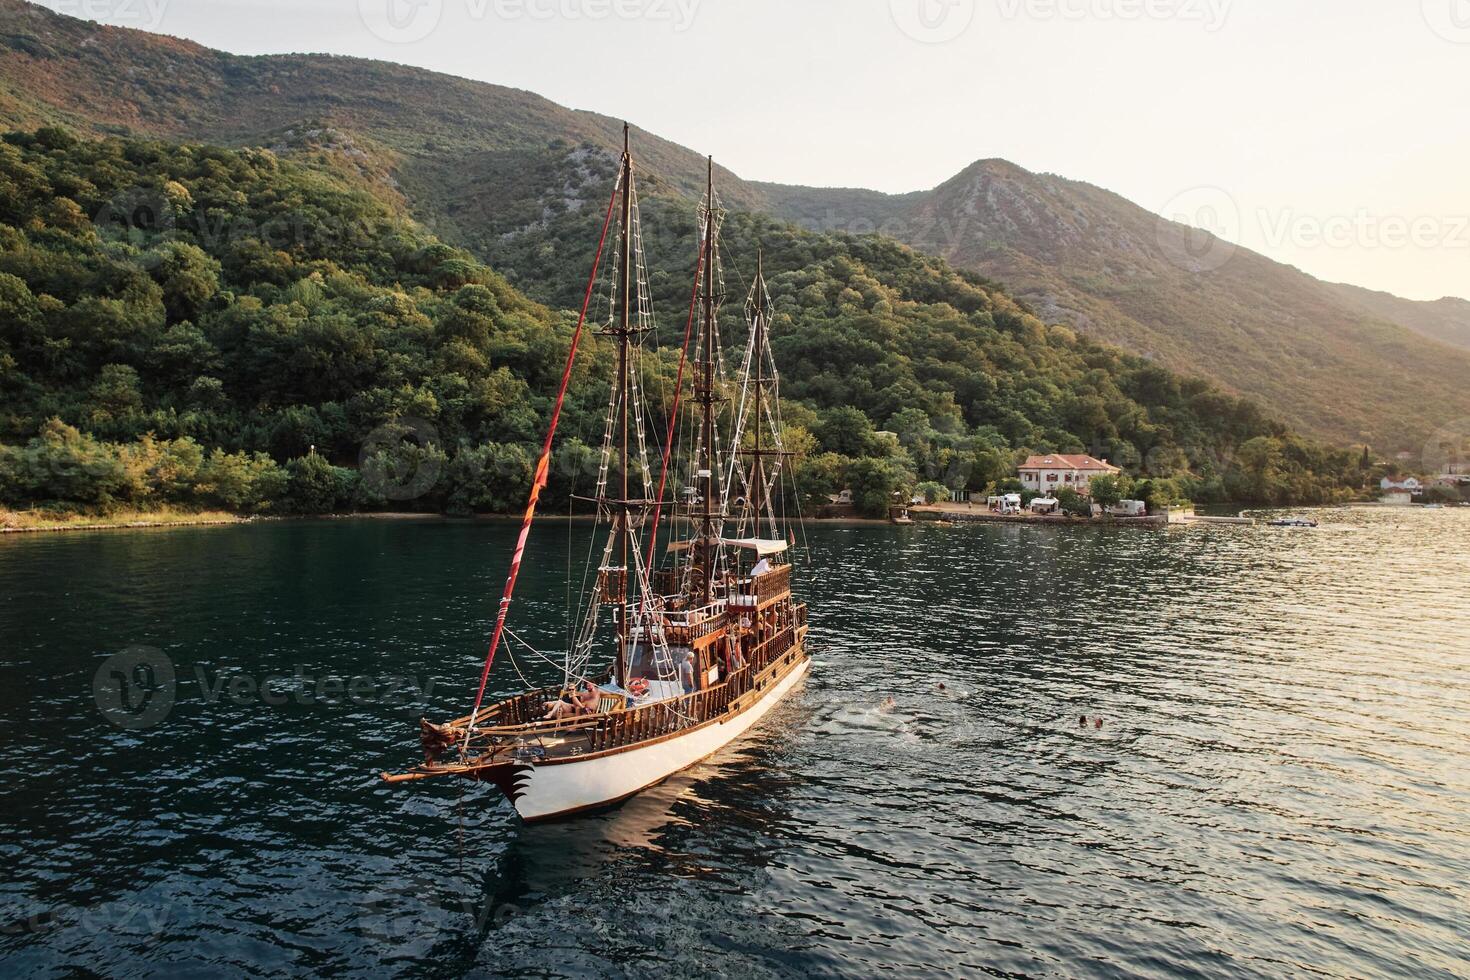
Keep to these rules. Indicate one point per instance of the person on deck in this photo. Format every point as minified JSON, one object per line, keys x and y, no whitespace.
{"x":571,"y":704}
{"x":563,"y":707}
{"x":588,"y":700}
{"x":761,"y":567}
{"x":686,"y":673}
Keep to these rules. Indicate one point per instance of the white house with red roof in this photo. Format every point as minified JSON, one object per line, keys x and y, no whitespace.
{"x":1048,"y":474}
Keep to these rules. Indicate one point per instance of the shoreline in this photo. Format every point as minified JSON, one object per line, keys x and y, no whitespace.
{"x":953,"y":514}
{"x":138,"y":522}
{"x":220,"y":519}
{"x":922,"y":515}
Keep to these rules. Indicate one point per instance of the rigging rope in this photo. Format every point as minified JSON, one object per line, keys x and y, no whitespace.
{"x":542,"y":465}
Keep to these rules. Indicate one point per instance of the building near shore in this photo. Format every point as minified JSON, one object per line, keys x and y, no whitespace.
{"x":1048,"y":474}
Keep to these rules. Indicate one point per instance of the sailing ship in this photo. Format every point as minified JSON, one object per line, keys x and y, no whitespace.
{"x":707,"y":637}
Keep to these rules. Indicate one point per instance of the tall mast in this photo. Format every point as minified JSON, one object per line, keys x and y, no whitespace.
{"x":758,"y":481}
{"x":706,"y":401}
{"x":625,"y":333}
{"x":758,"y":312}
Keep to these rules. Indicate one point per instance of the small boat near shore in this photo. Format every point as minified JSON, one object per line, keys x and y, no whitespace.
{"x":1292,"y":522}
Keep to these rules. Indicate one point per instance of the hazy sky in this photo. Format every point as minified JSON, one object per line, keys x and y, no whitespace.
{"x":1330,"y":134}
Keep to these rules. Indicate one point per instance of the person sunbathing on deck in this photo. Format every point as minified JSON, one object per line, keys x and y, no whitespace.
{"x":563,"y":707}
{"x":589,"y":699}
{"x":572,"y":704}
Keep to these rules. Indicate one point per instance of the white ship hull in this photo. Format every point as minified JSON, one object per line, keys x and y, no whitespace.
{"x":560,"y":789}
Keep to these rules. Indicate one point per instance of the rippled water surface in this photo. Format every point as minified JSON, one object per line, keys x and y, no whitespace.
{"x":1279,"y":787}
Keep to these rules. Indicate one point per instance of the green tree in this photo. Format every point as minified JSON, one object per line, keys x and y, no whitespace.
{"x":61,"y":464}
{"x":934,"y":492}
{"x":489,"y":478}
{"x":1108,"y":490}
{"x":847,"y":431}
{"x":1073,"y":503}
{"x":315,"y":486}
{"x":876,"y":483}
{"x":243,"y":482}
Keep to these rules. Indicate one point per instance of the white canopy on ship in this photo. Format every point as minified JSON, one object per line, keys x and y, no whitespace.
{"x":761,"y":546}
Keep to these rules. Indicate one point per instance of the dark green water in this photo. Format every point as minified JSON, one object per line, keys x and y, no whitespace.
{"x":1280,"y":785}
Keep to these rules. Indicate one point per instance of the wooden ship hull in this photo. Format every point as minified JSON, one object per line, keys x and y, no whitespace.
{"x":568,"y":787}
{"x":622,"y":753}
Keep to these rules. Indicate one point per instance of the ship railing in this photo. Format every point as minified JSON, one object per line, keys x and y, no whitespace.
{"x":683,"y":627}
{"x":755,"y":591}
{"x":517,"y":723}
{"x":669,"y":717}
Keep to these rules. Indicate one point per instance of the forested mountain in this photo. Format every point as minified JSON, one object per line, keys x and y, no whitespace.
{"x":489,"y":168}
{"x":276,"y":324}
{"x":1446,"y":320}
{"x":1331,"y":359}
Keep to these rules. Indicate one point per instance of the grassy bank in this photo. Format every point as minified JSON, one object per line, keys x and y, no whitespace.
{"x":55,"y":520}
